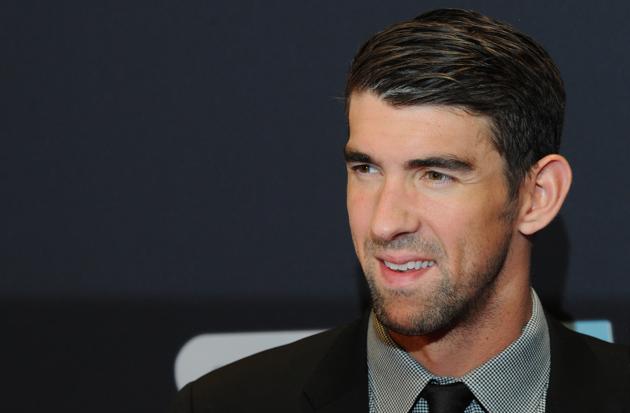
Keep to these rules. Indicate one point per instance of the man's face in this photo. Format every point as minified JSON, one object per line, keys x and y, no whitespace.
{"x":429,"y":211}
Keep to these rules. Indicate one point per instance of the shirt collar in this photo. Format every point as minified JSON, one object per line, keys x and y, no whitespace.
{"x":518,"y":376}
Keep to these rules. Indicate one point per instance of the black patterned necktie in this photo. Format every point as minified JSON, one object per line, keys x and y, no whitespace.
{"x":447,"y":398}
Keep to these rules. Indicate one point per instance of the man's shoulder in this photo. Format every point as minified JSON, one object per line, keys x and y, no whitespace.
{"x":613,"y":359}
{"x":273,"y":376}
{"x":581,"y":366}
{"x":297,"y":357}
{"x":611,"y":356}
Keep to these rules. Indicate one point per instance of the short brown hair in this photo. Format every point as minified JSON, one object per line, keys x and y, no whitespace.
{"x":461,"y":58}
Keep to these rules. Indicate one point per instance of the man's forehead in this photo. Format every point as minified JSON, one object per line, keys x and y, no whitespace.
{"x":375,"y":124}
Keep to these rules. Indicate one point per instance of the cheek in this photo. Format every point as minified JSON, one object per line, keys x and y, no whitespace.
{"x":468,"y":228}
{"x":358,"y":212}
{"x":359,"y":216}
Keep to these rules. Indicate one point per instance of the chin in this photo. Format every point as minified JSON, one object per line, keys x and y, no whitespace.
{"x":414,"y":322}
{"x":416,"y":314}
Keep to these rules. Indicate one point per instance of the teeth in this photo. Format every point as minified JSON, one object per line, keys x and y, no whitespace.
{"x":411,"y":265}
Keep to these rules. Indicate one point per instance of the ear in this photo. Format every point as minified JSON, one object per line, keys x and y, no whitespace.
{"x":544,"y":192}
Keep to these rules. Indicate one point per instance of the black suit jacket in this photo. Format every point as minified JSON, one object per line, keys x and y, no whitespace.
{"x":327,"y":373}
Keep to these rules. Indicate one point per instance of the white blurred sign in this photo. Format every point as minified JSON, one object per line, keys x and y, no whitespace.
{"x":207,"y":352}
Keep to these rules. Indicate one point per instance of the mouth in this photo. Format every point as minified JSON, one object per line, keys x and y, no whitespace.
{"x":409,"y":265}
{"x":404,"y":273}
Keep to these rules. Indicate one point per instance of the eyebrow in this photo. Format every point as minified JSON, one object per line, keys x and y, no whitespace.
{"x":447,"y":162}
{"x":356,"y":156}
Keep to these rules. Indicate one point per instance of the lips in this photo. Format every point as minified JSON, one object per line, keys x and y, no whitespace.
{"x":399,"y":272}
{"x":409,"y":265}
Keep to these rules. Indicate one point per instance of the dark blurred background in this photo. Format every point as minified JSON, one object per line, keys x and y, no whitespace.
{"x":173,"y":168}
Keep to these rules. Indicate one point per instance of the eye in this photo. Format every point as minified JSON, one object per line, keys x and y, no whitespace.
{"x":437,"y":177}
{"x":364,"y":169}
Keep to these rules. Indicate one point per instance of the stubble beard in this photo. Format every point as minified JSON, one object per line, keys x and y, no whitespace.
{"x":445,"y":304}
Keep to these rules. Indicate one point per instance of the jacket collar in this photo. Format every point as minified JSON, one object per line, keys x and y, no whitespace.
{"x":339,"y":383}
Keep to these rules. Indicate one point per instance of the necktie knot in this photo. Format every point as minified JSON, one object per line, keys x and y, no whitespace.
{"x":447,"y":398}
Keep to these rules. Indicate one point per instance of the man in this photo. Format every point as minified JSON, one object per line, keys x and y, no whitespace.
{"x":452,"y":157}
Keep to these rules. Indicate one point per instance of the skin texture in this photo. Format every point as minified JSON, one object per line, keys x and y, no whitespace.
{"x":425,"y":183}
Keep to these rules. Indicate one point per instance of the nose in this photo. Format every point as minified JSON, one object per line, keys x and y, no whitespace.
{"x":394,"y":212}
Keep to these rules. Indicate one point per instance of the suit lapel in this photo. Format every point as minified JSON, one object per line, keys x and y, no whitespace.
{"x":339,"y":383}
